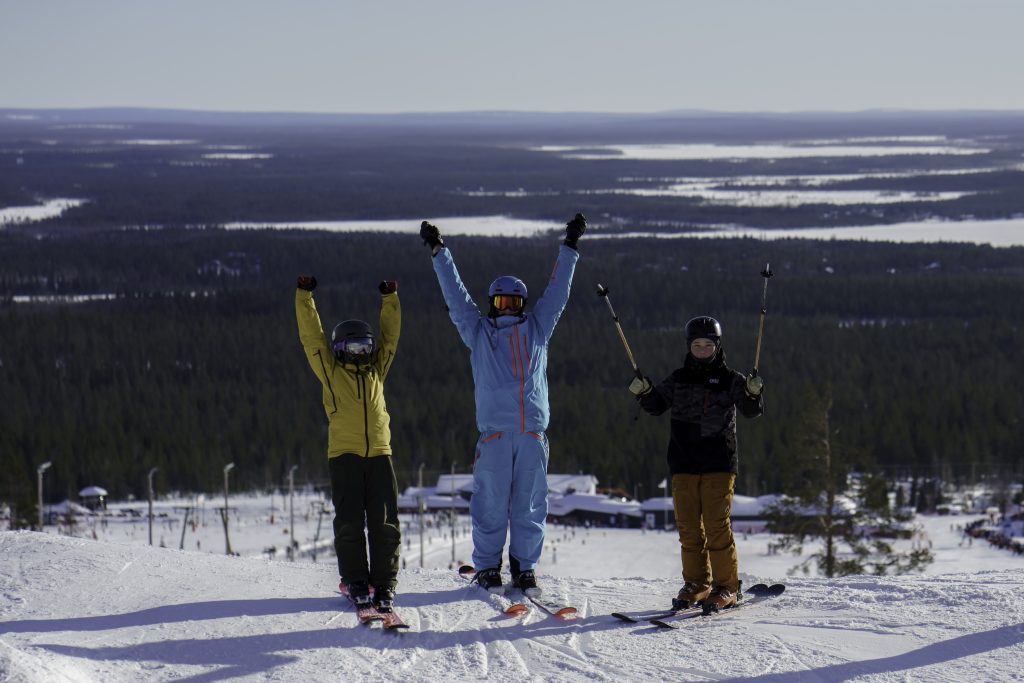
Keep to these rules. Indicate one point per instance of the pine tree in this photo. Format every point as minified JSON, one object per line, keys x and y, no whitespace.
{"x":830,"y":505}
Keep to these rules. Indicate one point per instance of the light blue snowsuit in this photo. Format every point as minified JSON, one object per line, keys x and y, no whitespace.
{"x":509,"y":357}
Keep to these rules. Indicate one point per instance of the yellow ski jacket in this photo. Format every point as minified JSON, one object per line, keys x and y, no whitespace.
{"x":353,"y":396}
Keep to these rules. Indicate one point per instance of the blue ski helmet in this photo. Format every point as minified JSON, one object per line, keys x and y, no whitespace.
{"x":506,"y":286}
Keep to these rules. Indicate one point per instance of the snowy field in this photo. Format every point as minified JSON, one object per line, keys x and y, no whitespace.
{"x":847,"y":147}
{"x":30,"y":214}
{"x":455,"y":225}
{"x":1008,"y":232}
{"x":77,"y":609}
{"x":261,"y":525}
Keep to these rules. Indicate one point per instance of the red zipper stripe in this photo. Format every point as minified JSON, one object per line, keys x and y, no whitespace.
{"x":522,"y":387}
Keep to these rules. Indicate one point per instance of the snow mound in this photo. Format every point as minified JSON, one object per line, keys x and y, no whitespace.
{"x":79,"y":610}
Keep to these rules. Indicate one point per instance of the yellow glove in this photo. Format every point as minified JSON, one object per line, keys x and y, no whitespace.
{"x":640,"y":385}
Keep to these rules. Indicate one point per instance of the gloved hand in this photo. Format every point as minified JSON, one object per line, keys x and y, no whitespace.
{"x":755,"y":385}
{"x":574,"y":229}
{"x":388,"y":287}
{"x":306,"y":282}
{"x":431,"y":235}
{"x":640,"y":385}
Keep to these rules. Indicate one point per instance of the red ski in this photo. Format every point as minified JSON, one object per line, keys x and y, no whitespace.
{"x":389,"y":619}
{"x":508,"y":607}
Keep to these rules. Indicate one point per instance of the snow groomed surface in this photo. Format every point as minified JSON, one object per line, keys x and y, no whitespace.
{"x":81,"y":610}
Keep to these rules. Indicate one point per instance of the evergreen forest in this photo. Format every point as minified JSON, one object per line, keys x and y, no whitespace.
{"x":194,"y":361}
{"x":181,"y":352}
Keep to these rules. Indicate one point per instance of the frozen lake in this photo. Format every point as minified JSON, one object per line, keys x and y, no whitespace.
{"x":999,"y":233}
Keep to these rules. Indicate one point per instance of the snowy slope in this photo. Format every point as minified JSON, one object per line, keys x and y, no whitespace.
{"x":83,"y":610}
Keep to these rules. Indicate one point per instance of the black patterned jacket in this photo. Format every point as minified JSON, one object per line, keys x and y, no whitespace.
{"x":703,"y":399}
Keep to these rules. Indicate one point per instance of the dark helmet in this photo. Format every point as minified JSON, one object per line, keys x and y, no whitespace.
{"x":703,"y":327}
{"x":506,"y":286}
{"x":353,"y":341}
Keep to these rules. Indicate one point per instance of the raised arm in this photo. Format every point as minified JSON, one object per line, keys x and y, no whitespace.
{"x":549,"y":307}
{"x":311,"y":332}
{"x":461,"y":307}
{"x":652,"y":399}
{"x":748,"y":395}
{"x":390,"y":325}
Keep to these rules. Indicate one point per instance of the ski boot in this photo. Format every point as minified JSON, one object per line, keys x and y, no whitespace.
{"x":384,"y":600}
{"x":490,"y":580}
{"x":719,"y":599}
{"x":526,"y":581}
{"x":690,"y":595}
{"x":359,"y":593}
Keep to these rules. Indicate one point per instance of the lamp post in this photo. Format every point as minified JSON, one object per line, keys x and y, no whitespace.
{"x":291,"y":510}
{"x":149,"y":478}
{"x":39,"y":472}
{"x":422,"y":507}
{"x":453,"y":516}
{"x":227,"y":540}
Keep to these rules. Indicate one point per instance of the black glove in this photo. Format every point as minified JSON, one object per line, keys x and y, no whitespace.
{"x":431,"y":235}
{"x":306,"y":282}
{"x":574,"y":229}
{"x":388,"y":287}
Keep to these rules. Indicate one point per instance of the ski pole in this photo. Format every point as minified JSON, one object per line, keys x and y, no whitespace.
{"x":766,"y":273}
{"x":602,"y":291}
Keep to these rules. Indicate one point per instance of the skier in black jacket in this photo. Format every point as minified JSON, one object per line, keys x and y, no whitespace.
{"x":704,"y":396}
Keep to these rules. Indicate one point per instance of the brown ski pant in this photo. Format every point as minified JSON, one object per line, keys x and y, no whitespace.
{"x":703,"y":507}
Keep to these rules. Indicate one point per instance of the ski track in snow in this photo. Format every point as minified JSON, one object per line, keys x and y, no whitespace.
{"x":83,"y":611}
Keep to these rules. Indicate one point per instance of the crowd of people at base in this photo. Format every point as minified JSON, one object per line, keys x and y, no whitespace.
{"x":982,"y":529}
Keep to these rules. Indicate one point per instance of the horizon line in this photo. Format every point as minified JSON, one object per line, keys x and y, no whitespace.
{"x":694,"y":111}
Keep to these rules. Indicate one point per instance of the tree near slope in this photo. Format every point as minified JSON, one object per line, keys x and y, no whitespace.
{"x":850,"y":516}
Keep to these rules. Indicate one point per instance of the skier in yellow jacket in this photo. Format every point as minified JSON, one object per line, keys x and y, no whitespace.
{"x":351,"y":370}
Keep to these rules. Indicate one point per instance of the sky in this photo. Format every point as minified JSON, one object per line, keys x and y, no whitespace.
{"x":530,"y":55}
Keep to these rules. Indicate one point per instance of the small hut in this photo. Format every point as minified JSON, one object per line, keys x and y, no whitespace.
{"x":94,"y":498}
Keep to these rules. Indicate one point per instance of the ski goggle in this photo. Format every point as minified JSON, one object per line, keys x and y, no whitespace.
{"x":354,"y":346}
{"x":507,"y":301}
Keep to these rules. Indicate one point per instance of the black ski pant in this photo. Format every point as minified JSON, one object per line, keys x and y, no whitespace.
{"x":365,"y":496}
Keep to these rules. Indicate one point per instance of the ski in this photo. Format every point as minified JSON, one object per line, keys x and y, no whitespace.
{"x":651,"y":614}
{"x":552,"y":607}
{"x":757,"y":594}
{"x":391,"y":621}
{"x":507,"y":606}
{"x":368,"y":614}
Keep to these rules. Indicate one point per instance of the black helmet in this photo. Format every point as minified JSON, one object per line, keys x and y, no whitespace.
{"x":703,"y":327}
{"x":352,"y":341}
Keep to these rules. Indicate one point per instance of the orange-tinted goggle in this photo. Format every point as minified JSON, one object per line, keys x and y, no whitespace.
{"x":507,"y":301}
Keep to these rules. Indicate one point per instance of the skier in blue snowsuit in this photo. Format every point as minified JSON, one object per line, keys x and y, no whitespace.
{"x":509,"y":356}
